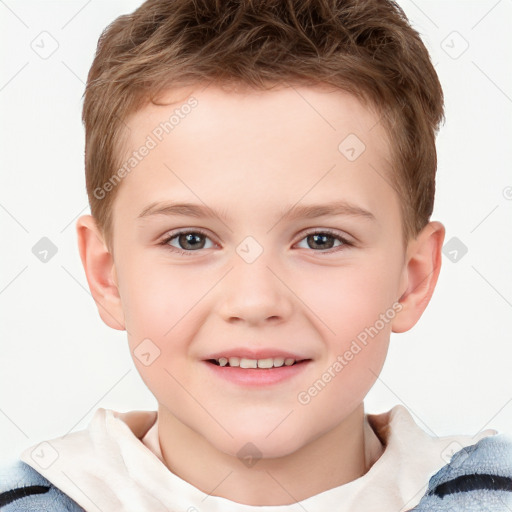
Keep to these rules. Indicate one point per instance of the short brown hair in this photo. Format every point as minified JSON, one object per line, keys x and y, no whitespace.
{"x":364,"y":47}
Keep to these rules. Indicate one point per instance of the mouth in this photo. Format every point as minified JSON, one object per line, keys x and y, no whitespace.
{"x":255,"y":368}
{"x":249,"y":372}
{"x":264,"y":364}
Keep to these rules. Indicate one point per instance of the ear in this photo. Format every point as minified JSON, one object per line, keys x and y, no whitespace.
{"x":100,"y":271}
{"x":421,"y":270}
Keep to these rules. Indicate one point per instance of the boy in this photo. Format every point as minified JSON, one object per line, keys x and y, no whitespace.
{"x":294,"y":145}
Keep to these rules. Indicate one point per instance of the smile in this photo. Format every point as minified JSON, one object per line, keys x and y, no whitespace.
{"x":242,"y":362}
{"x":257,"y":373}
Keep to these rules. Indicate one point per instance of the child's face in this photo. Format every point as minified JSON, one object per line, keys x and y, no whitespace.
{"x":257,"y":280}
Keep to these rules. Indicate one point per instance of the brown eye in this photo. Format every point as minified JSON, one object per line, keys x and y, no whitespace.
{"x":187,"y":241}
{"x":320,"y":241}
{"x":325,"y":240}
{"x":190,"y":241}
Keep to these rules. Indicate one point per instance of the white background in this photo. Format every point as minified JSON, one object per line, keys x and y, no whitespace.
{"x":59,"y":362}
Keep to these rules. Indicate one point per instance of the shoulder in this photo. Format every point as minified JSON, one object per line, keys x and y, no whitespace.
{"x":477,"y":474}
{"x":23,"y":488}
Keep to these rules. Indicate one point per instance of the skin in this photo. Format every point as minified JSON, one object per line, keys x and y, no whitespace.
{"x":253,"y":155}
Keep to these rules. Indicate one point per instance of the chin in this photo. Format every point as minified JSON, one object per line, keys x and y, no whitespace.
{"x":258,"y":449}
{"x":257,"y":443}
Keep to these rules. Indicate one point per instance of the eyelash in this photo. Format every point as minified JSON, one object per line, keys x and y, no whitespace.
{"x":329,"y":232}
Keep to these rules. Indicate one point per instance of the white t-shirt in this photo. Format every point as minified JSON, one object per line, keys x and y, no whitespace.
{"x":116,"y":465}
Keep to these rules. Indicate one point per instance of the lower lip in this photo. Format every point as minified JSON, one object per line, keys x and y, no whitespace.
{"x":257,"y":376}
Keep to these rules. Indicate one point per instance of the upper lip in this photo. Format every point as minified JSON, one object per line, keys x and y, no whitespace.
{"x":255,"y":354}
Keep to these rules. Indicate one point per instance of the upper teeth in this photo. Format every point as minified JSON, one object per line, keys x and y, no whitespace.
{"x":243,"y":362}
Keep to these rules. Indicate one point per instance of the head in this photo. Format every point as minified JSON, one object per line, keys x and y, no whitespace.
{"x":261,"y":113}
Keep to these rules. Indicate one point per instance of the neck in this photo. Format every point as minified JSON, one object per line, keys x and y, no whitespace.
{"x":333,"y":459}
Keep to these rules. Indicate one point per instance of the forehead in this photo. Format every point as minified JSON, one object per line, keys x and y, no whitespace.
{"x":252,"y":112}
{"x":255,"y":147}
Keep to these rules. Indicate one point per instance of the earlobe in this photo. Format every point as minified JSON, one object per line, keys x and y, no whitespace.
{"x":100,"y":271}
{"x":422,"y":267}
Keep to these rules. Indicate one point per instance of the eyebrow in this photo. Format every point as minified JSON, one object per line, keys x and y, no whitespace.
{"x":289,"y":213}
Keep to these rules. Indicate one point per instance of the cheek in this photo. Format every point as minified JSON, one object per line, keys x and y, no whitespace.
{"x":349,"y":299}
{"x":355,"y":353}
{"x":159,"y":314}
{"x":158,"y":304}
{"x":157,"y":298}
{"x":355,"y":308}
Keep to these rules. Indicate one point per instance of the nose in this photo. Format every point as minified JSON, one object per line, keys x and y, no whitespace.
{"x":255,"y":293}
